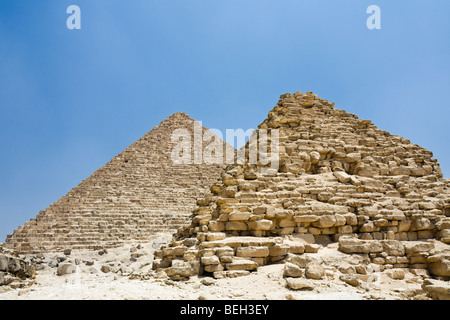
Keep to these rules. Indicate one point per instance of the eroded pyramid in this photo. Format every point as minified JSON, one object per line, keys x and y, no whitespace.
{"x":139,"y":192}
{"x":338,"y":176}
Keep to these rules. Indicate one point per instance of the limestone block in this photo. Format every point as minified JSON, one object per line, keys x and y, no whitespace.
{"x":190,"y":255}
{"x":285,"y":231}
{"x":216,"y":226}
{"x":179,"y":269}
{"x":299,"y":284}
{"x":65,"y":269}
{"x":248,"y":265}
{"x":437,"y":290}
{"x":425,"y":234}
{"x":347,"y":268}
{"x":351,"y":245}
{"x":259,"y":210}
{"x":213,"y":236}
{"x":303,"y":260}
{"x":412,"y":236}
{"x":345,"y":229}
{"x":443,"y":224}
{"x":393,"y":247}
{"x":253,"y":252}
{"x":353,"y":157}
{"x":367,"y":227}
{"x":213,"y":268}
{"x":236,"y":226}
{"x":226,"y":259}
{"x":287,"y":222}
{"x":239,"y":216}
{"x":350,"y":279}
{"x":315,"y":157}
{"x":160,"y":263}
{"x":312,"y":248}
{"x":296,"y":248}
{"x":325,"y":221}
{"x":224,"y":251}
{"x":342,"y":176}
{"x":404,"y":225}
{"x":351,"y":219}
{"x":340,"y":220}
{"x":421,"y":224}
{"x":174,"y":251}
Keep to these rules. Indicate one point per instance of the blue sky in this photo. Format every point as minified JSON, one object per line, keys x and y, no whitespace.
{"x":70,"y":100}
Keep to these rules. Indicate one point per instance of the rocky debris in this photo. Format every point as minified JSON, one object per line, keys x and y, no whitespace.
{"x":437,"y":290}
{"x":314,"y":271}
{"x":350,"y":279}
{"x":15,"y":271}
{"x":225,"y":256}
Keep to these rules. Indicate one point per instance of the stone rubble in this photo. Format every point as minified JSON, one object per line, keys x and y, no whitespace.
{"x":15,"y":271}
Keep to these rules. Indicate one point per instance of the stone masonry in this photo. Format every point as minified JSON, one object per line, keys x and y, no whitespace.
{"x":138,"y":193}
{"x":338,"y":176}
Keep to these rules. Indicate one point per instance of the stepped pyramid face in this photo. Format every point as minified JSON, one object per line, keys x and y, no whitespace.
{"x":337,"y":175}
{"x":139,"y":192}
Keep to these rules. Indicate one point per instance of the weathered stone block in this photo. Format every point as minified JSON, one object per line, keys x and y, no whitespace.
{"x":349,"y":245}
{"x":248,"y":265}
{"x":314,"y":271}
{"x":210,"y":260}
{"x":299,"y":284}
{"x":418,"y":247}
{"x":66,"y":268}
{"x":341,"y":176}
{"x":278,"y":250}
{"x":239,"y":216}
{"x":305,"y":218}
{"x":325,"y":221}
{"x":421,"y":224}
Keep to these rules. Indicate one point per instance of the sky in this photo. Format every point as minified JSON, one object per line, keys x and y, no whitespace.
{"x":72,"y":99}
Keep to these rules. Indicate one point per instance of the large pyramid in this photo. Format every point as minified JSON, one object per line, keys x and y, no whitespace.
{"x":139,"y":192}
{"x":337,"y":176}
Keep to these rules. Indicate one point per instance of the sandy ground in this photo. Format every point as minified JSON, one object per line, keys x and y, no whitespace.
{"x":89,"y":282}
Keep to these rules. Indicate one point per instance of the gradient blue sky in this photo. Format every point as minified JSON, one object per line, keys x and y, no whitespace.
{"x":70,"y":100}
